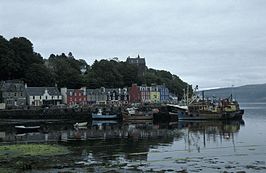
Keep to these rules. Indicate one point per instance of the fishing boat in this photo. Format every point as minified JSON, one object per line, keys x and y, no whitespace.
{"x":135,"y":114}
{"x":25,"y":129}
{"x":100,"y":115}
{"x":227,"y":108}
{"x":198,"y":108}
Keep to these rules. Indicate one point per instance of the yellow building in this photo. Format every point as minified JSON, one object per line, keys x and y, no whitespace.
{"x":155,"y":94}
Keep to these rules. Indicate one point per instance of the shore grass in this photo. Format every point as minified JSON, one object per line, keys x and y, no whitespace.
{"x":18,"y":150}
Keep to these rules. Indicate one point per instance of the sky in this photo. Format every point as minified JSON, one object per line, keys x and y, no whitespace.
{"x":209,"y":43}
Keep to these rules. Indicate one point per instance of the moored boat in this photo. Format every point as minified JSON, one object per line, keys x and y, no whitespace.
{"x":79,"y":125}
{"x":23,"y":128}
{"x":135,"y":114}
{"x":212,"y":110}
{"x":100,"y":115}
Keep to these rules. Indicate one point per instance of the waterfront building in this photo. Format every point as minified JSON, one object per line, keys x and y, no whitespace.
{"x":164,"y":93}
{"x":12,"y":94}
{"x":145,"y":92}
{"x":96,"y":96}
{"x":39,"y":96}
{"x":74,"y":96}
{"x":134,"y":94}
{"x":155,"y":94}
{"x":117,"y":96}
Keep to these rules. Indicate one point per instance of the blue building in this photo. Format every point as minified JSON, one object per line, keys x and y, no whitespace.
{"x":164,"y":93}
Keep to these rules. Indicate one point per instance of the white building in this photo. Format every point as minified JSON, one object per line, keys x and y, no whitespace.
{"x":38,"y":96}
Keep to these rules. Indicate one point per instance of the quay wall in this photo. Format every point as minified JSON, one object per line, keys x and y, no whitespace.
{"x":45,"y":114}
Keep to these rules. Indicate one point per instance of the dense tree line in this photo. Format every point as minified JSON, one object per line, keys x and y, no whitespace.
{"x":19,"y":61}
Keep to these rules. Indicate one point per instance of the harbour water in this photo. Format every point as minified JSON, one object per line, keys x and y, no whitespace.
{"x":205,"y":146}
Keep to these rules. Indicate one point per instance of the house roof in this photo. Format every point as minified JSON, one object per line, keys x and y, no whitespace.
{"x":74,"y":91}
{"x":37,"y":91}
{"x":94,"y":91}
{"x":12,"y":87}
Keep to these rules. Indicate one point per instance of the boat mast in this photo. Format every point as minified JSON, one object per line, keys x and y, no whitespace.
{"x":232,"y":92}
{"x":187,"y":94}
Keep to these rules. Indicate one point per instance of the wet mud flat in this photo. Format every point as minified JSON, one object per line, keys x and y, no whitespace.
{"x":80,"y":160}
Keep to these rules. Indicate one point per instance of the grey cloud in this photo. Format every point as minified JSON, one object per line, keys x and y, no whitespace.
{"x":194,"y":39}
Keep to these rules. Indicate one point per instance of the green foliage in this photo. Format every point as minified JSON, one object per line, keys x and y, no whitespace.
{"x":39,"y":75}
{"x":111,"y":74}
{"x":19,"y":61}
{"x":66,"y":70}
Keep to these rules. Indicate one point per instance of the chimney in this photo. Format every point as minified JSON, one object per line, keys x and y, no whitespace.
{"x":26,"y":86}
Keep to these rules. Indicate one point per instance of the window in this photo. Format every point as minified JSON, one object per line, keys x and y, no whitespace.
{"x":33,"y":97}
{"x":70,"y":93}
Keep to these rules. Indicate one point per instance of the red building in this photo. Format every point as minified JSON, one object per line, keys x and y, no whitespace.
{"x":76,"y":96}
{"x":134,"y":94}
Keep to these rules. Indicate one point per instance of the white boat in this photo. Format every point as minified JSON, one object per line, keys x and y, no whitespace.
{"x":135,"y":114}
{"x":83,"y":124}
{"x":103,"y":122}
{"x":27,"y":128}
{"x":100,"y":115}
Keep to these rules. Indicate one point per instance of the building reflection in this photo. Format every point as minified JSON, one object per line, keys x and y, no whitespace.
{"x":111,"y":140}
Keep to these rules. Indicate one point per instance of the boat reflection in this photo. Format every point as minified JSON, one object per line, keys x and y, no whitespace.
{"x":113,"y":129}
{"x":200,"y":133}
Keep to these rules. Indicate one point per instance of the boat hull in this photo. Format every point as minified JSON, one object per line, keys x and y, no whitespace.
{"x":81,"y":125}
{"x":25,"y":129}
{"x":104,"y":117}
{"x":236,"y":115}
{"x":103,"y":122}
{"x":137,"y":117}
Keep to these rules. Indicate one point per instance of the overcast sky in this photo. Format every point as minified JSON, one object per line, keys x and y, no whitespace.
{"x":211,"y":43}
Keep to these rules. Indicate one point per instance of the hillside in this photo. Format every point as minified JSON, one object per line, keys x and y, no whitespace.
{"x":247,"y":93}
{"x":18,"y":60}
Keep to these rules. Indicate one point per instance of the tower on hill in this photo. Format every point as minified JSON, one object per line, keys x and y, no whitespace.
{"x":139,"y":62}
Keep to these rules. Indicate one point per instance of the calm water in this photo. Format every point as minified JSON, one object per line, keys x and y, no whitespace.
{"x":189,"y":146}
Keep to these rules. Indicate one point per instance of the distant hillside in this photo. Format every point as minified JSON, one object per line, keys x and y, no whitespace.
{"x":247,"y":93}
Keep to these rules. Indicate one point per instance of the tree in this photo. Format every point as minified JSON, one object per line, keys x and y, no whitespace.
{"x":39,"y":75}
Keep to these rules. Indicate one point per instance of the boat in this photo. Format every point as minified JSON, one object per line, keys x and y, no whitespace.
{"x":211,"y":110}
{"x":103,"y":122}
{"x":80,"y":125}
{"x":22,"y":128}
{"x":100,"y":115}
{"x":176,"y":110}
{"x":135,"y":114}
{"x":196,"y":108}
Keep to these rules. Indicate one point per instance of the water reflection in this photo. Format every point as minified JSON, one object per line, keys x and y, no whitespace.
{"x":129,"y":143}
{"x":136,"y":135}
{"x":199,"y":134}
